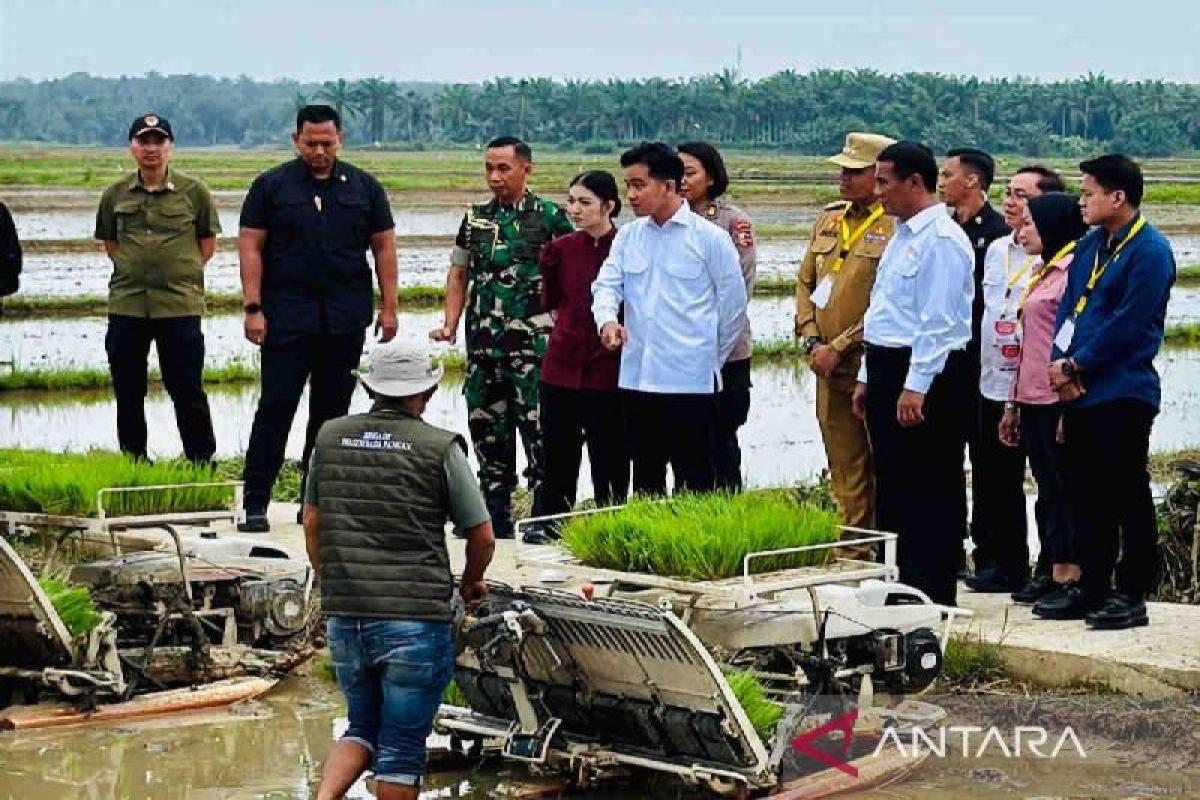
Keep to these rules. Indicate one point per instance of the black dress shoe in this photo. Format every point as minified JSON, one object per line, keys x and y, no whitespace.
{"x":536,"y":537}
{"x":994,"y":582}
{"x":1070,"y":601}
{"x":256,"y":522}
{"x":1034,"y":589}
{"x":1119,"y":611}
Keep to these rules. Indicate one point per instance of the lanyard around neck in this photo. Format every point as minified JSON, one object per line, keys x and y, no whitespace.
{"x":850,"y":239}
{"x":1011,"y":280}
{"x":1041,"y":274}
{"x":1099,"y":269}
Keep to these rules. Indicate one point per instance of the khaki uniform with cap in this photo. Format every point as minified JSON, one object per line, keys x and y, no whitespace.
{"x":155,"y":237}
{"x":833,"y":289}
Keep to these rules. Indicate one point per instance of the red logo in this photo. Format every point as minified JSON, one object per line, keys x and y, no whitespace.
{"x":845,"y":723}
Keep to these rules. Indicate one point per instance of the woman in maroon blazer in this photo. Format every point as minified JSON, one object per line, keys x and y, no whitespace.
{"x":579,"y":377}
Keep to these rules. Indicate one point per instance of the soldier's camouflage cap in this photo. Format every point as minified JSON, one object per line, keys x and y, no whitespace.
{"x":861,"y":150}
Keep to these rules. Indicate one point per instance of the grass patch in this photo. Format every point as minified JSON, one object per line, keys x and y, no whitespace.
{"x":70,"y":378}
{"x":1188,"y":276}
{"x":764,"y":714}
{"x":287,"y":483}
{"x":73,"y":603}
{"x":93,"y":305}
{"x":971,"y":661}
{"x":41,"y":482}
{"x":1185,"y":335}
{"x":1164,"y":465}
{"x":703,"y":537}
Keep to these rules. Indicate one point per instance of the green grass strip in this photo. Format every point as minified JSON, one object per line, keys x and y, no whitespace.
{"x":75,"y":378}
{"x":43,"y":482}
{"x":751,"y":695}
{"x":701,"y":536}
{"x":73,"y":604}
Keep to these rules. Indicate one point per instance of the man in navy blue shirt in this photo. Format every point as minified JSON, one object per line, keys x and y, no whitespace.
{"x":1110,"y":327}
{"x":305,"y":231}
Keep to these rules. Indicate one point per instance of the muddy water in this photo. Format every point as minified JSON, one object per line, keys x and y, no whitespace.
{"x":58,"y":274}
{"x":273,"y":748}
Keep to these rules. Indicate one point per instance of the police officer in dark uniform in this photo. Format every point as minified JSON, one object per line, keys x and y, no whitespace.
{"x":305,"y":229}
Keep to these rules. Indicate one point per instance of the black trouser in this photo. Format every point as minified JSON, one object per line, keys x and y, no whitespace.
{"x":330,"y":361}
{"x":998,"y":524}
{"x":1107,"y":447}
{"x":568,"y":418}
{"x":180,"y":345}
{"x":1047,"y":460}
{"x":919,"y":483}
{"x":733,"y":408}
{"x":670,"y":428}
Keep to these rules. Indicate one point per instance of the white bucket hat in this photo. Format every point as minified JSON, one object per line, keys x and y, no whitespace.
{"x":400,"y":369}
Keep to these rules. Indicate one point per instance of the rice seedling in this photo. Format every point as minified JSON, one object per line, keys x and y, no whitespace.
{"x":702,"y":537}
{"x":971,"y":660}
{"x":73,"y":604}
{"x":67,"y":484}
{"x":453,"y":695}
{"x":752,"y":697}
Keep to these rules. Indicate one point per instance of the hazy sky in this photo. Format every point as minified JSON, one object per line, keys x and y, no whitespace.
{"x":471,"y":40}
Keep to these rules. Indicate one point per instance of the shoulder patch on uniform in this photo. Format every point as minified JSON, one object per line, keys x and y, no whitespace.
{"x":743,"y":233}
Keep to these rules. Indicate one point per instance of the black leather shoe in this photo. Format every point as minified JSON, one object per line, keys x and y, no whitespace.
{"x":1119,"y":611}
{"x":1070,"y":601}
{"x":540,"y":533}
{"x":994,"y":582}
{"x":1035,"y":589}
{"x":256,"y":522}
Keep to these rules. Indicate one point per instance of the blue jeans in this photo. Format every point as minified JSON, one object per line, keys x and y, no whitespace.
{"x":393,"y":673}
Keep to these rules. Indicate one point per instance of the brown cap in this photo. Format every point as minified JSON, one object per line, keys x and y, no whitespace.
{"x":861,"y":150}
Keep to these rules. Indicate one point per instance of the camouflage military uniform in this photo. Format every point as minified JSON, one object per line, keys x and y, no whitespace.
{"x":498,"y":245}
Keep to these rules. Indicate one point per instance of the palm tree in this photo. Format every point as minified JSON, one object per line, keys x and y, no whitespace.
{"x":374,"y":97}
{"x":340,"y":95}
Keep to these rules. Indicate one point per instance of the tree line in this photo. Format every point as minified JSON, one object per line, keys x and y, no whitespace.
{"x":806,"y":113}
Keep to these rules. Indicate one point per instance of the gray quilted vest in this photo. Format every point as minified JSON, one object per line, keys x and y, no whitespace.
{"x":383,"y":500}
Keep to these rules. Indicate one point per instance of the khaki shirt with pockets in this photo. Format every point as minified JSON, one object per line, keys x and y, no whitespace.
{"x":840,"y":323}
{"x":157,"y":269}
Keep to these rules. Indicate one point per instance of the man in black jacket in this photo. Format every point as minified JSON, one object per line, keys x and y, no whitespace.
{"x":10,"y":254}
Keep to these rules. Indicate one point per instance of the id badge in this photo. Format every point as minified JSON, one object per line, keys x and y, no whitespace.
{"x":1065,"y":334}
{"x":820,"y":295}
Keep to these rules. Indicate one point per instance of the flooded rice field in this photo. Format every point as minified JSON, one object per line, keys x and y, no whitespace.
{"x":58,"y":224}
{"x":273,"y":748}
{"x":781,"y":442}
{"x":61,"y":274}
{"x":58,"y":342}
{"x":79,"y":342}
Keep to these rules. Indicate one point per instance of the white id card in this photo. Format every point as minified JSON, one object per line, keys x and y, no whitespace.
{"x":820,"y":295}
{"x":1065,"y":334}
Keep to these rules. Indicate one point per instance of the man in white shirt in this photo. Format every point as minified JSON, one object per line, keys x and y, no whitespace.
{"x":913,"y":383}
{"x":998,"y":522}
{"x":678,"y":280}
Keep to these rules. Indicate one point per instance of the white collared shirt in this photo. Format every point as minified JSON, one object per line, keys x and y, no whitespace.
{"x":1006,"y":262}
{"x":684,"y":302}
{"x":922,"y":297}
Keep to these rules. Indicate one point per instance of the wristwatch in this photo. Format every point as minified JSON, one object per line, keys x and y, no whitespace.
{"x":252,"y":308}
{"x":1069,"y":369}
{"x":810,"y":343}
